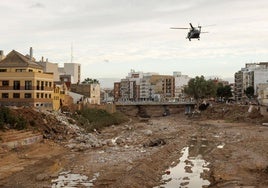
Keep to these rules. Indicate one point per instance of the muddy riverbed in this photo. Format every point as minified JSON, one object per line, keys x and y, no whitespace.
{"x":171,"y":151}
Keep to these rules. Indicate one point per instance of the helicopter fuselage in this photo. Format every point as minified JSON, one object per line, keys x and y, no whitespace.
{"x":193,"y":34}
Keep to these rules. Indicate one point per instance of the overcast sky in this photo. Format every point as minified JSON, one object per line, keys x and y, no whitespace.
{"x":110,"y":37}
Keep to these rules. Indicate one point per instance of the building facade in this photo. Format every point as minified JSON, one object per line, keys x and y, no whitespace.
{"x":23,"y":82}
{"x":90,"y":91}
{"x":73,"y":69}
{"x":138,"y":86}
{"x":252,"y":75}
{"x":181,"y":81}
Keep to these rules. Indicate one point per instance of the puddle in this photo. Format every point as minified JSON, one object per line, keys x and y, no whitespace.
{"x":67,"y":179}
{"x":187,"y":173}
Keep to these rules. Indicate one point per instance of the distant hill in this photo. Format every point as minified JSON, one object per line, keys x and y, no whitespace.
{"x":108,"y":82}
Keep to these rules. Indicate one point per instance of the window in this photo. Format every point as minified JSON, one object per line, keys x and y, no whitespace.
{"x":42,"y":85}
{"x":16,"y":95}
{"x":5,"y":95}
{"x":20,"y":70}
{"x":16,"y":85}
{"x":42,"y":95}
{"x":28,"y":85}
{"x":5,"y":83}
{"x":38,"y":85}
{"x":37,"y":95}
{"x":3,"y":70}
{"x":30,"y":70}
{"x":27,"y":95}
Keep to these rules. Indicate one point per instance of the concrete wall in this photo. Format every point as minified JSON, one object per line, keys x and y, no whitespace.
{"x":22,"y":142}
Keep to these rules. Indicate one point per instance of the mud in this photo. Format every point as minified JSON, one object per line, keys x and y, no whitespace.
{"x":235,"y":154}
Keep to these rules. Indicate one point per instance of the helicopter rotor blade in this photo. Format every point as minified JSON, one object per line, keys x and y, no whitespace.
{"x":179,"y":28}
{"x":209,"y":25}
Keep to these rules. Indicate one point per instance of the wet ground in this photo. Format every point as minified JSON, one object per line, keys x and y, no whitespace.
{"x":172,"y":151}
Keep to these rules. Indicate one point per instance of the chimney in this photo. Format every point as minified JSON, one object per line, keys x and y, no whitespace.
{"x":31,"y":53}
{"x":1,"y":55}
{"x":47,"y":60}
{"x":42,"y":60}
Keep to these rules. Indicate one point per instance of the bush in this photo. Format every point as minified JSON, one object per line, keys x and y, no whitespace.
{"x":97,"y":119}
{"x":7,"y":118}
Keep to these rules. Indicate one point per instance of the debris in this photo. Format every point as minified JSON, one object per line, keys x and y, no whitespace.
{"x":156,"y":142}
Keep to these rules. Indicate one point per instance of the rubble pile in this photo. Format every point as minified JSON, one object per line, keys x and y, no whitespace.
{"x":53,"y":125}
{"x":84,"y":141}
{"x":232,"y":113}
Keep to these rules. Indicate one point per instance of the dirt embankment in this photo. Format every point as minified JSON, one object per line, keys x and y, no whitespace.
{"x":137,"y":154}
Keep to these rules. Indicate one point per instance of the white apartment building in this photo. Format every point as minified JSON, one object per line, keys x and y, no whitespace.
{"x":260,"y":77}
{"x":180,"y":82}
{"x":73,"y":69}
{"x":253,"y":74}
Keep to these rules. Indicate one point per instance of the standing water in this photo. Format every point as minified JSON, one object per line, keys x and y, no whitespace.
{"x":187,"y":173}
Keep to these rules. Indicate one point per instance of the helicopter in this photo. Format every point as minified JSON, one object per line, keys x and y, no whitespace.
{"x":194,"y":32}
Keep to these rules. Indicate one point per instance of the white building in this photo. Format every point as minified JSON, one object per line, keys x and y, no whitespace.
{"x":260,"y":77}
{"x":180,"y":82}
{"x":50,"y":67}
{"x":73,"y":69}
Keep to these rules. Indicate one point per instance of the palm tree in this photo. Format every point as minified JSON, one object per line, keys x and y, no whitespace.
{"x":90,"y":81}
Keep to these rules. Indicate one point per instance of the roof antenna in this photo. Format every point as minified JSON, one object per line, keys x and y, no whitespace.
{"x":72,"y":53}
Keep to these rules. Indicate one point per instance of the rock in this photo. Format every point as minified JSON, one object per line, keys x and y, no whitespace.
{"x":148,"y":132}
{"x":42,"y":177}
{"x":110,"y":143}
{"x":156,"y":142}
{"x":119,"y":141}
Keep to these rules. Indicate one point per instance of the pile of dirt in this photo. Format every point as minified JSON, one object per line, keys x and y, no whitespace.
{"x":233,"y":113}
{"x":51,"y":124}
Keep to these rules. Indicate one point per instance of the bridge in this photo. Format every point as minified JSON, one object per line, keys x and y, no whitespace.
{"x":154,"y":109}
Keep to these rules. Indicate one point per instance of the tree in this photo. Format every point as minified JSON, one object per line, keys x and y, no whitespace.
{"x":250,"y":92}
{"x":211,"y":89}
{"x":199,"y":88}
{"x":90,"y":81}
{"x":224,"y":91}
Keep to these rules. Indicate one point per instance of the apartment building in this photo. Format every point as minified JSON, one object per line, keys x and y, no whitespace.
{"x":164,"y":85}
{"x":117,"y":93}
{"x":73,"y":69}
{"x":181,"y":81}
{"x":252,"y":74}
{"x":139,"y":86}
{"x":50,"y":67}
{"x":23,"y":82}
{"x":90,"y":91}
